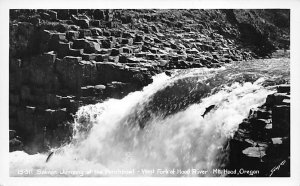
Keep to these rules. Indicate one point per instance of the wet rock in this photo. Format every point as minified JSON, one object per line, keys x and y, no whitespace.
{"x":276,"y":99}
{"x":281,"y":120}
{"x":283,"y":88}
{"x":118,"y":89}
{"x":54,"y":117}
{"x":138,"y":43}
{"x":258,"y":124}
{"x":256,"y":152}
{"x":109,"y":72}
{"x":259,"y":113}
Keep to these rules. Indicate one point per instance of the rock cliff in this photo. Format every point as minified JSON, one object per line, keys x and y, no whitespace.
{"x":61,"y":59}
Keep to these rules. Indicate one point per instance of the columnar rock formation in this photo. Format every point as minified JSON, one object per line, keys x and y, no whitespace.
{"x":262,"y":142}
{"x":61,"y":59}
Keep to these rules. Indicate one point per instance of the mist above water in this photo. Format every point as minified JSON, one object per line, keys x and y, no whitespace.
{"x":161,"y":127}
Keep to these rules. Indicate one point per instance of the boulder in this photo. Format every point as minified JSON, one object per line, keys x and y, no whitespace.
{"x":88,"y":46}
{"x":98,"y":14}
{"x":258,"y":124}
{"x":126,"y":41}
{"x":106,"y":43}
{"x":138,"y":38}
{"x":259,"y":113}
{"x":123,"y":58}
{"x":276,"y":99}
{"x":96,"y":32}
{"x":116,"y":51}
{"x":85,"y":33}
{"x":72,"y":35}
{"x":83,"y":23}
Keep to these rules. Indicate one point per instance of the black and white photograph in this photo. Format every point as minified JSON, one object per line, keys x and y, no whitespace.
{"x":149,"y":92}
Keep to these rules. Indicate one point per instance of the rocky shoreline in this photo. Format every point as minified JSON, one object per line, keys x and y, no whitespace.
{"x":62,"y":59}
{"x":262,"y":141}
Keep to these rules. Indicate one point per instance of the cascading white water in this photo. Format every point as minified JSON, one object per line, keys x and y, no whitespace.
{"x":107,"y":143}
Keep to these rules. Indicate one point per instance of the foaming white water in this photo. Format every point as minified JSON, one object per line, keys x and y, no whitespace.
{"x":105,"y":145}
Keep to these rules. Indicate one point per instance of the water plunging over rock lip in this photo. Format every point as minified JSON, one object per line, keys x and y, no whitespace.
{"x":63,"y":59}
{"x":108,"y":136}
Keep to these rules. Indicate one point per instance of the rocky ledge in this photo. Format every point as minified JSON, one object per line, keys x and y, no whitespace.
{"x":262,"y":141}
{"x":61,"y":59}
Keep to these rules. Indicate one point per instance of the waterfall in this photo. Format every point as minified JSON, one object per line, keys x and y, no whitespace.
{"x":158,"y":131}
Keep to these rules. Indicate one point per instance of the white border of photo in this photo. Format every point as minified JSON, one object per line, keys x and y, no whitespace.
{"x":294,"y":5}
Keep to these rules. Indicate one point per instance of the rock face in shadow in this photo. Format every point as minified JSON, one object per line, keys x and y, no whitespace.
{"x":262,"y":141}
{"x":62,"y":59}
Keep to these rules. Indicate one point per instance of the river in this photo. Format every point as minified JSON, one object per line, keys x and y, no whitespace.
{"x":159,"y":131}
